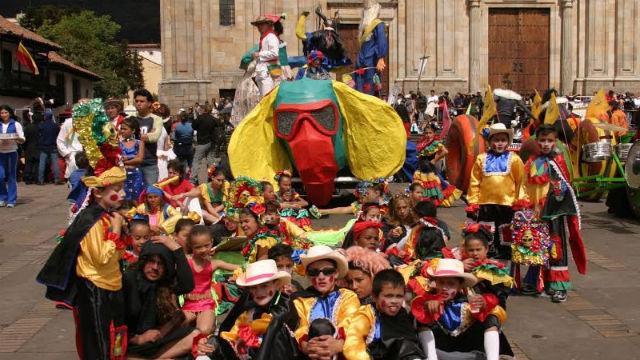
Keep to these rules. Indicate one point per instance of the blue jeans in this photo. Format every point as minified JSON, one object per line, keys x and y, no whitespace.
{"x":150,"y":173}
{"x":53,"y":157}
{"x":8,"y":171}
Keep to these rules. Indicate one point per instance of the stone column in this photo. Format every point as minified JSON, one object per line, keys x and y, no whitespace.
{"x":566,"y":80}
{"x":475,"y":24}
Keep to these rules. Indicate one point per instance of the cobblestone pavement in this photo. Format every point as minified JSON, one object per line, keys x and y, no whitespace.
{"x":601,"y":319}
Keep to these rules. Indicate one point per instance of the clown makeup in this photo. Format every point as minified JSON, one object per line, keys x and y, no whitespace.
{"x":182,"y":236}
{"x":154,"y":268}
{"x":284,"y":263}
{"x":369,"y":239}
{"x":140,"y":234}
{"x":390,"y":299}
{"x":359,"y":282}
{"x":262,"y":294}
{"x":373,"y":214}
{"x":268,"y":194}
{"x":546,"y":142}
{"x":154,"y":201}
{"x":476,"y":249}
{"x":448,"y":287}
{"x":322,"y":274}
{"x":248,"y":224}
{"x":499,"y":142}
{"x":110,"y":197}
{"x":416,"y":194}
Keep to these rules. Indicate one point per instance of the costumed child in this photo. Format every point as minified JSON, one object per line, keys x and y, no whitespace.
{"x":289,"y":232}
{"x":376,"y":191}
{"x":398,"y":223}
{"x":255,"y":327}
{"x":176,"y":186}
{"x":383,"y":329}
{"x":139,"y":234}
{"x":428,"y":237}
{"x":366,"y":234}
{"x":282,"y":254}
{"x":493,"y":277}
{"x":430,"y":152}
{"x":496,"y":187}
{"x":550,"y":191}
{"x":213,"y":195}
{"x":84,"y":270}
{"x":154,"y":209}
{"x":323,"y":301}
{"x":364,"y":264}
{"x":451,"y":321}
{"x":199,"y":305}
{"x":132,"y":151}
{"x":415,"y":191}
{"x":292,"y":206}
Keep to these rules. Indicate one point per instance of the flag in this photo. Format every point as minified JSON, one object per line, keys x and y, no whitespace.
{"x":536,"y":107}
{"x":597,"y":106}
{"x":488,"y":111}
{"x":25,"y":58}
{"x":553,"y":111}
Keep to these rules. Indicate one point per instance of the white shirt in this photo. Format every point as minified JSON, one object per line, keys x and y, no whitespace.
{"x":9,"y":146}
{"x":269,"y":51}
{"x":68,"y":141}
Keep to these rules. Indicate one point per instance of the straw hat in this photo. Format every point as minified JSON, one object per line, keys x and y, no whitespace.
{"x":500,"y":128}
{"x":114,"y":102}
{"x":452,"y":268}
{"x":323,"y":252}
{"x":112,"y":176}
{"x":261,"y":272}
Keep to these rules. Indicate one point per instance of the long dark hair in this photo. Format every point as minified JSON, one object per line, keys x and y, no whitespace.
{"x":8,"y":108}
{"x":132,"y":123}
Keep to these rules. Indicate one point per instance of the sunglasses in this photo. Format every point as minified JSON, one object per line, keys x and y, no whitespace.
{"x":324,"y":271}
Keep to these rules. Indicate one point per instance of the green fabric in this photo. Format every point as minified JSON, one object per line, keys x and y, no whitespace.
{"x":232,"y":257}
{"x":248,"y":56}
{"x":560,"y":285}
{"x":332,"y":238}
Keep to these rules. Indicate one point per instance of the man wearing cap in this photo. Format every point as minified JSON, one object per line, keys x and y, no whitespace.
{"x":267,"y":54}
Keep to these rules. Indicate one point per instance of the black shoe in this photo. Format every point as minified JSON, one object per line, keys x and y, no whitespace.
{"x":529,"y":290}
{"x":559,"y":296}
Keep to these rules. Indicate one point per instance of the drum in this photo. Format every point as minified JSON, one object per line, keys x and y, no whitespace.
{"x":588,"y":133}
{"x":596,"y":152}
{"x":623,"y":151}
{"x":462,"y":150}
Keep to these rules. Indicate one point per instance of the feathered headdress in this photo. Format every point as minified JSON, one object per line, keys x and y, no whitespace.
{"x":244,"y":192}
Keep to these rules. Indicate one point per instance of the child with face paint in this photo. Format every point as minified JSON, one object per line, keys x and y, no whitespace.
{"x":452,"y":321}
{"x":549,"y":188}
{"x":84,"y":270}
{"x":323,"y":300}
{"x":496,"y":186}
{"x":364,"y":264}
{"x":255,"y":327}
{"x":429,"y":236}
{"x":199,"y":305}
{"x":384,"y":329}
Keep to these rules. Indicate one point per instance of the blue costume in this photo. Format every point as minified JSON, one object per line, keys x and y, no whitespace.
{"x":134,"y":184}
{"x":374,"y":46}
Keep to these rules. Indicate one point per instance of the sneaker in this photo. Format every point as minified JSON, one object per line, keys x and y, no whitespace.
{"x":11,"y":206}
{"x":559,"y":296}
{"x":3,"y":203}
{"x":315,"y":212}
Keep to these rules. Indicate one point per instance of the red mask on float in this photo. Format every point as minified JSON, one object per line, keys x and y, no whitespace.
{"x":309,"y":130}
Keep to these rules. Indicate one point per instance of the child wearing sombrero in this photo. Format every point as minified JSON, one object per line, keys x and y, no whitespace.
{"x":452,"y":318}
{"x":497,"y":186}
{"x":255,"y":327}
{"x":84,"y":269}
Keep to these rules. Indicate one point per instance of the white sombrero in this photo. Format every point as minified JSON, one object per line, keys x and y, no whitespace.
{"x":452,"y":268}
{"x":500,"y":128}
{"x":261,"y":272}
{"x":323,"y":252}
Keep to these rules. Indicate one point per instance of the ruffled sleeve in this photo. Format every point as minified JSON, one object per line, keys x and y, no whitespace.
{"x":360,"y":325}
{"x":420,"y":313}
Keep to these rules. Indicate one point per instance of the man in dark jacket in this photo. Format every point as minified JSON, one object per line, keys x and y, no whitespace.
{"x":47,"y":135}
{"x":205,"y":126}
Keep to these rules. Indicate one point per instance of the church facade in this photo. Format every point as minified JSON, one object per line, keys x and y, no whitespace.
{"x":577,"y":46}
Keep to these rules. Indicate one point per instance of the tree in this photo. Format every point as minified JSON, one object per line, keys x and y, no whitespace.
{"x":88,"y":40}
{"x":36,"y":16}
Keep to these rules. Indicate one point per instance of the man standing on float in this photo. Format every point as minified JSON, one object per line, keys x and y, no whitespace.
{"x":267,"y":54}
{"x":373,"y":49}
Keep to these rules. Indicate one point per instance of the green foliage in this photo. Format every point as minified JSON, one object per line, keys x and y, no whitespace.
{"x":89,"y":40}
{"x":36,"y":16}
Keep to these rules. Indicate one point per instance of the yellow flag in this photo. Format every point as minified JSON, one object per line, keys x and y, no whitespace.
{"x":597,"y":106}
{"x":536,"y":107}
{"x":553,"y":111}
{"x":488,"y":111}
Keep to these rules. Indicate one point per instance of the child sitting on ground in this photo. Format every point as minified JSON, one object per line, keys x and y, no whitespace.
{"x":199,"y":305}
{"x":282,"y":254}
{"x":154,"y":209}
{"x":428,"y":236}
{"x":213,"y":195}
{"x":139,"y":234}
{"x":365,"y":234}
{"x":364,"y":264}
{"x":384,"y":329}
{"x":292,"y":206}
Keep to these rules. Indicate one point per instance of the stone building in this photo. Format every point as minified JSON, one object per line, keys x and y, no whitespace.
{"x":576,"y":46}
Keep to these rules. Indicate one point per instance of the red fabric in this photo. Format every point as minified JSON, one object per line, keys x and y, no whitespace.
{"x":491,"y":301}
{"x":521,"y":204}
{"x":448,"y":253}
{"x":114,"y":332}
{"x":176,"y":189}
{"x":472,"y":208}
{"x":558,"y":276}
{"x":194,"y":344}
{"x":420,"y":313}
{"x":577,"y":245}
{"x":415,"y":287}
{"x":111,"y":155}
{"x":361,"y":226}
{"x":248,"y":337}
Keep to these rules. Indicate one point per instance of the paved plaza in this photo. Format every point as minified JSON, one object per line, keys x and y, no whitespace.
{"x":601,"y":319}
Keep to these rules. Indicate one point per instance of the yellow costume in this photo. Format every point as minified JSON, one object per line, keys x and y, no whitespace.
{"x":358,"y":333}
{"x":98,"y":259}
{"x":497,"y":188}
{"x":341,"y":303}
{"x":206,"y":192}
{"x":260,"y":240}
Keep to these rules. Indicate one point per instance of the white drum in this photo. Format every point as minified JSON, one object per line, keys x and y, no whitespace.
{"x":623,"y":151}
